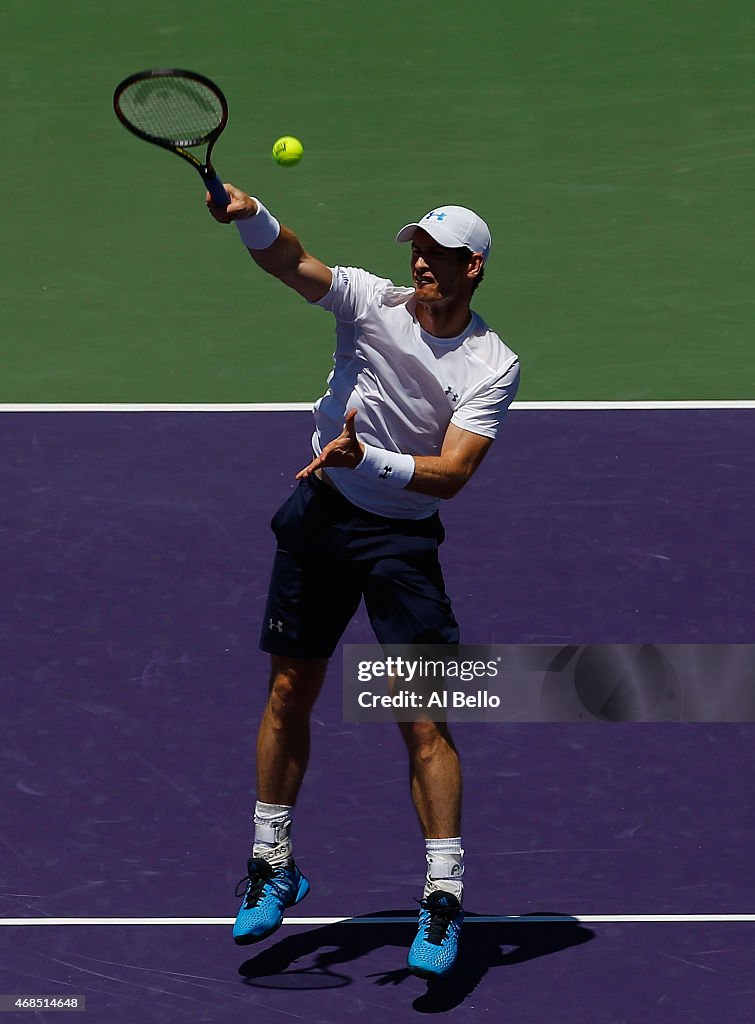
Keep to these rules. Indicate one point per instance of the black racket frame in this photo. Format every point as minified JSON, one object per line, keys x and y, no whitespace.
{"x":205,"y":168}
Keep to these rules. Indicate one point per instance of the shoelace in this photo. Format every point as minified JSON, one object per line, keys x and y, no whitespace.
{"x":440,"y":919}
{"x":259,"y":873}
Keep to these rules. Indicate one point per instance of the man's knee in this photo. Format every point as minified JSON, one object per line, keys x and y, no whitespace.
{"x":294,"y":686}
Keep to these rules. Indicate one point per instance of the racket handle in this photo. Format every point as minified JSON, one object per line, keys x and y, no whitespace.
{"x":215,"y":187}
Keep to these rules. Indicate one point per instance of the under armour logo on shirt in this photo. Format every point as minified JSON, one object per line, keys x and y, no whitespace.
{"x":275,"y":625}
{"x":386,"y":471}
{"x":451,"y":394}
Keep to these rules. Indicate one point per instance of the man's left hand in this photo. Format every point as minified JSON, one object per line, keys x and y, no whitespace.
{"x":344,"y":452}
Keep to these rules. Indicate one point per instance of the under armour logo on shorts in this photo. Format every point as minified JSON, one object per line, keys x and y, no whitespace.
{"x":277,"y":625}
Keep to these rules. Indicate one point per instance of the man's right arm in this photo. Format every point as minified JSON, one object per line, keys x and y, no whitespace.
{"x":285,"y":258}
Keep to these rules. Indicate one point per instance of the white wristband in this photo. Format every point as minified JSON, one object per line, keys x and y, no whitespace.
{"x":259,"y":231}
{"x":391,"y":468}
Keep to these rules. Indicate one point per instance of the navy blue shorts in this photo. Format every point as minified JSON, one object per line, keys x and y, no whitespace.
{"x":331,"y":554}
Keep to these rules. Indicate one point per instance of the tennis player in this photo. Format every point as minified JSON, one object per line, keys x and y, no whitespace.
{"x":419,"y":387}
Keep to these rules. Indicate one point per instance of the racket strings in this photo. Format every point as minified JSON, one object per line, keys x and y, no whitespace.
{"x":180,"y":111}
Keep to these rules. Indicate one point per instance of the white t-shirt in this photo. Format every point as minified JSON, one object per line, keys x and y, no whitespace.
{"x":406,"y":384}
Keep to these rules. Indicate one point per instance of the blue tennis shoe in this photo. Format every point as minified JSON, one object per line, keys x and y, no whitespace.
{"x":269,"y":891}
{"x":433,"y":952}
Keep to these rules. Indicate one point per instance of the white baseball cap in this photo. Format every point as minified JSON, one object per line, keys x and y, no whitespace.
{"x":452,"y":226}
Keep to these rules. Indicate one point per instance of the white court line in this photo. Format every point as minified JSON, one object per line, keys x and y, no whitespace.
{"x":28,"y":922}
{"x":307,"y":406}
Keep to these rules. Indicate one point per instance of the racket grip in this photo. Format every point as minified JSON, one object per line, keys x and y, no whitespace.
{"x":215,"y":187}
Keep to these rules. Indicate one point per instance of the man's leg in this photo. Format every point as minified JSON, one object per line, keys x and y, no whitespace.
{"x":274,"y":882}
{"x":408,"y":605}
{"x":434,"y":777}
{"x":283,"y":738}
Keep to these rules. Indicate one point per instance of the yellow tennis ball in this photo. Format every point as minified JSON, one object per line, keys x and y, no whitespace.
{"x":287,"y":151}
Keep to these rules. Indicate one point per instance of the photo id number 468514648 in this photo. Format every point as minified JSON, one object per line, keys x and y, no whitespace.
{"x":19,"y":1003}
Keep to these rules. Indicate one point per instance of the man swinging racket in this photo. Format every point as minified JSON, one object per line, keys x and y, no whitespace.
{"x":419,"y":387}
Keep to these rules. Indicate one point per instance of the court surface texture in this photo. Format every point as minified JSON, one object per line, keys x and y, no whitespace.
{"x":608,"y":865}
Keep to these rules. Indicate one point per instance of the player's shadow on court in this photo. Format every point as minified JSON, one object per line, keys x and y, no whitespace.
{"x":318,"y":959}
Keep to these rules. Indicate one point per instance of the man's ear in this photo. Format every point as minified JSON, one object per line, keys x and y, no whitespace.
{"x":475,"y":266}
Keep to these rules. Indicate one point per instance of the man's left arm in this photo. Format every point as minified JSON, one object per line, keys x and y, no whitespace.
{"x":444,"y":475}
{"x":441,"y":476}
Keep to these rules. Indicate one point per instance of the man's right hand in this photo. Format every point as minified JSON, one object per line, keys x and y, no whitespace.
{"x":240,"y":206}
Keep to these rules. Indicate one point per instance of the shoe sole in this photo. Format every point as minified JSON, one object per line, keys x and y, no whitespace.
{"x":421,"y":972}
{"x":249,"y":940}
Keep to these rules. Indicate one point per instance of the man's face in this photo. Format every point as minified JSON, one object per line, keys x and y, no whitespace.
{"x":438,"y":272}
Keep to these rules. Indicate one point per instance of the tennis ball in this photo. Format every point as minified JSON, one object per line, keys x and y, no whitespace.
{"x":287,"y":151}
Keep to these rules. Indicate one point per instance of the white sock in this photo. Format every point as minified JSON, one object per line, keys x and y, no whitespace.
{"x":445,"y":866}
{"x":272,"y":833}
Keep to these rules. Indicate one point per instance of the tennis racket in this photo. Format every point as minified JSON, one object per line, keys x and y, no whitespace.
{"x":177,"y":110}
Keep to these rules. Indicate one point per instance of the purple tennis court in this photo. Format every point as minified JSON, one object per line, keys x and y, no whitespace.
{"x":137,"y":553}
